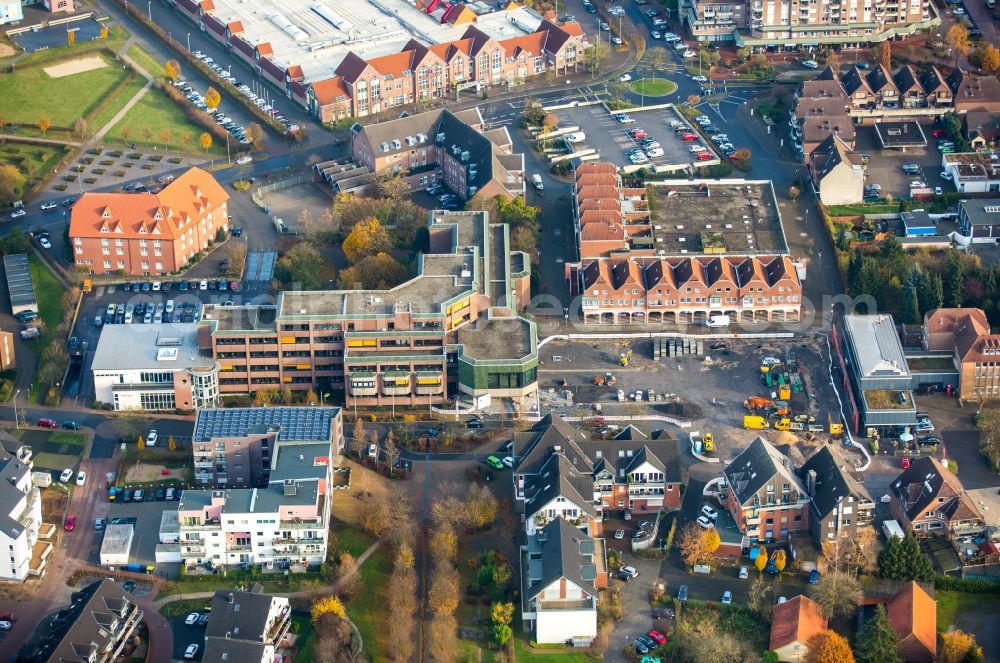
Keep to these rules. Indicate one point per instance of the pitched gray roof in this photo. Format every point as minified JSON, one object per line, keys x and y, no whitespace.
{"x":876,"y":344}
{"x":559,"y":478}
{"x":89,"y":621}
{"x":832,"y":483}
{"x":755,"y":467}
{"x":242,"y":615}
{"x":560,"y":550}
{"x":12,"y":472}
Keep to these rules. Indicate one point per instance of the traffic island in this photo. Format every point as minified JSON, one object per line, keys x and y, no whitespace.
{"x":653,"y":87}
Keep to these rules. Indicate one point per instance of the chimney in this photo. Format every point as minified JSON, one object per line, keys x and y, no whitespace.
{"x":811,"y":483}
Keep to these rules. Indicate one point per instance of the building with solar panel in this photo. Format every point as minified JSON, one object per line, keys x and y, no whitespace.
{"x":267,"y":482}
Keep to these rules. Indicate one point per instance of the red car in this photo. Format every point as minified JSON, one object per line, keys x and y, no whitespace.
{"x":657,"y":637}
{"x":704,"y":156}
{"x":689,"y":137}
{"x":904,"y":462}
{"x":639,"y":134}
{"x":8,"y":617}
{"x":47,"y":423}
{"x":938,"y":133}
{"x":70,"y":523}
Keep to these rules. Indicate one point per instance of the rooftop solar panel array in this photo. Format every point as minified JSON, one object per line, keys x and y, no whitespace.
{"x":294,"y":423}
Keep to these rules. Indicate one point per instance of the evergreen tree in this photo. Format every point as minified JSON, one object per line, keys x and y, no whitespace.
{"x":902,"y":559}
{"x":954,"y":282}
{"x":929,"y":292}
{"x":990,"y":284}
{"x":892,"y":254}
{"x":877,"y":641}
{"x":854,"y":268}
{"x":911,"y":307}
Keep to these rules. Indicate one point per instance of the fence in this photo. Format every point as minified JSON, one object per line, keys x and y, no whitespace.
{"x":258,"y":198}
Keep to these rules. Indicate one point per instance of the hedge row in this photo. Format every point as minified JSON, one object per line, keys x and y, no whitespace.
{"x":969,"y":586}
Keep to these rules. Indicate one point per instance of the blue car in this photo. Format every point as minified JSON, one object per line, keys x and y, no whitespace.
{"x":813,"y":577}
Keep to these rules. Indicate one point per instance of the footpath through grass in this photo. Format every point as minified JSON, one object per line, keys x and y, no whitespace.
{"x":366,"y":610}
{"x":115,"y":104}
{"x":29,"y":93}
{"x":156,"y":121}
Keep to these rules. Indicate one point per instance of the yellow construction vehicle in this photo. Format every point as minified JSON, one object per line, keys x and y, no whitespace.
{"x":785,"y":392}
{"x":709,"y":442}
{"x":625,"y":358}
{"x":835,"y":425}
{"x":782,"y":424}
{"x":754,"y":422}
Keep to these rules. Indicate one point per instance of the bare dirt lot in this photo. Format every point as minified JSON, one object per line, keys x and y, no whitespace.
{"x":364,"y":484}
{"x":707,"y":390}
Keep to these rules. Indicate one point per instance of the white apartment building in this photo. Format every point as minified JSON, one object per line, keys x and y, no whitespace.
{"x":972,"y":172}
{"x":20,"y":515}
{"x":279,"y":516}
{"x":806,"y":24}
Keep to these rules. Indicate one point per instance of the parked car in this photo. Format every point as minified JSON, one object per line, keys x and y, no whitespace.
{"x":66,"y":475}
{"x":707,"y":510}
{"x":81,"y":478}
{"x":705,"y":522}
{"x":70,"y":523}
{"x":47,"y":423}
{"x":99,"y":525}
{"x":727,"y":597}
{"x":904,"y":462}
{"x":814,"y":577}
{"x":682,"y":593}
{"x":630,"y":571}
{"x":191,"y":619}
{"x":69,"y":424}
{"x":657,"y":637}
{"x":619,"y":534}
{"x":151,"y":438}
{"x":191,"y":651}
{"x":494,"y":462}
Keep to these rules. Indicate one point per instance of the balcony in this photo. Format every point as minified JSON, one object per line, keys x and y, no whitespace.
{"x":39,"y":558}
{"x":210,"y":524}
{"x":280,"y":628}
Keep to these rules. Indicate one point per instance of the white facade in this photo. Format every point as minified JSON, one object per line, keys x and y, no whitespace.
{"x":25,"y":518}
{"x":972,"y":172}
{"x":116,"y":545}
{"x":10,"y":11}
{"x":559,"y":507}
{"x":243,"y":533}
{"x":553,"y":623}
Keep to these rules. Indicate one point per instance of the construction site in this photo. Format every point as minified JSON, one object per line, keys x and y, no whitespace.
{"x":730,"y":390}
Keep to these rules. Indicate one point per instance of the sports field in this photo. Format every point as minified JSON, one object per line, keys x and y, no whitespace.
{"x":30,"y":92}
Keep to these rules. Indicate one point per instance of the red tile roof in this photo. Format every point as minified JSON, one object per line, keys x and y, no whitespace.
{"x":795,"y":620}
{"x":265,"y":49}
{"x":913,"y":615}
{"x":330,"y":90}
{"x":137,"y":215}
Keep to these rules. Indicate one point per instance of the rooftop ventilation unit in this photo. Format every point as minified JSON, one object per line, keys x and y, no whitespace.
{"x":329,"y":16}
{"x":299,"y":35}
{"x":396,"y":144}
{"x":465,"y":156}
{"x":440,"y":137}
{"x":422,"y":138}
{"x":384,"y":147}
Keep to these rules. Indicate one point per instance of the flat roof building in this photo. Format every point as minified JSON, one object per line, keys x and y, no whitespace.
{"x":20,"y":287}
{"x":116,"y":544}
{"x":877,"y":378}
{"x":399,"y":346}
{"x":979,"y":221}
{"x":154,"y":367}
{"x":900,"y":135}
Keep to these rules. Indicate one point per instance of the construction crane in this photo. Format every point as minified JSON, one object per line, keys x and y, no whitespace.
{"x":755,"y":403}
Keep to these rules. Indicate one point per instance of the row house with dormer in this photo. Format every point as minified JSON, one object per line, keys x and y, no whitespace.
{"x":688,"y":290}
{"x":561,"y":472}
{"x":929,"y":500}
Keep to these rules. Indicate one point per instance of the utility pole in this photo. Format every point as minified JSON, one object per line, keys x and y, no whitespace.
{"x":17,"y":422}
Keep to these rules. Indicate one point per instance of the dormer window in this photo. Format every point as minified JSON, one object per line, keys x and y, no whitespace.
{"x":107,"y":213}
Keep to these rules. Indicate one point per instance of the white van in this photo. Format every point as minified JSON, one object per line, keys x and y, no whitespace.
{"x":242,"y":161}
{"x":810,"y":64}
{"x":718,"y":321}
{"x":576,"y":137}
{"x":536,"y":181}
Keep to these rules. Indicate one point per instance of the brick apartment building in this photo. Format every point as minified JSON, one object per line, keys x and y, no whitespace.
{"x":269,"y":478}
{"x":929,"y":500}
{"x":441,"y":146}
{"x":148,"y":234}
{"x":965,"y":333}
{"x":639,"y":263}
{"x":453,"y":329}
{"x":765,"y":496}
{"x":769,"y":24}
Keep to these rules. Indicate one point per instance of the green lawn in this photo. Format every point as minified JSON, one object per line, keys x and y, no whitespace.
{"x":467,"y":652}
{"x":145,"y":60}
{"x":367,"y":610}
{"x":306,"y":642}
{"x":56,"y":462}
{"x":29,"y":92}
{"x":68,"y":437}
{"x":953,"y":606}
{"x":184,"y":606}
{"x":153,"y":115}
{"x":525,"y":654}
{"x":33,"y":160}
{"x":352,"y":540}
{"x":653,"y":87}
{"x":115,"y":103}
{"x":49,"y":292}
{"x":859,"y":210}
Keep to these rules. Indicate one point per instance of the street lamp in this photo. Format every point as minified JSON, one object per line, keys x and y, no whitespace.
{"x":17,"y":422}
{"x":189,"y":42}
{"x":149,"y":6}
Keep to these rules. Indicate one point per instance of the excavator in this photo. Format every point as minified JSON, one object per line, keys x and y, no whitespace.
{"x":606,"y":380}
{"x":755,"y":403}
{"x":625,"y":358}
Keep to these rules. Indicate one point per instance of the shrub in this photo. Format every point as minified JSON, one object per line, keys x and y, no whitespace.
{"x":969,"y":586}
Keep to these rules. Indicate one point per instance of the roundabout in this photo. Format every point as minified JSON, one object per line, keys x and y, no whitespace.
{"x":653,"y":87}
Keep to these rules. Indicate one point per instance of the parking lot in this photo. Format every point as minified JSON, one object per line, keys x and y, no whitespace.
{"x":144,"y":304}
{"x":614,"y":140}
{"x":185,"y":635}
{"x":147,"y":517}
{"x":885,"y":166}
